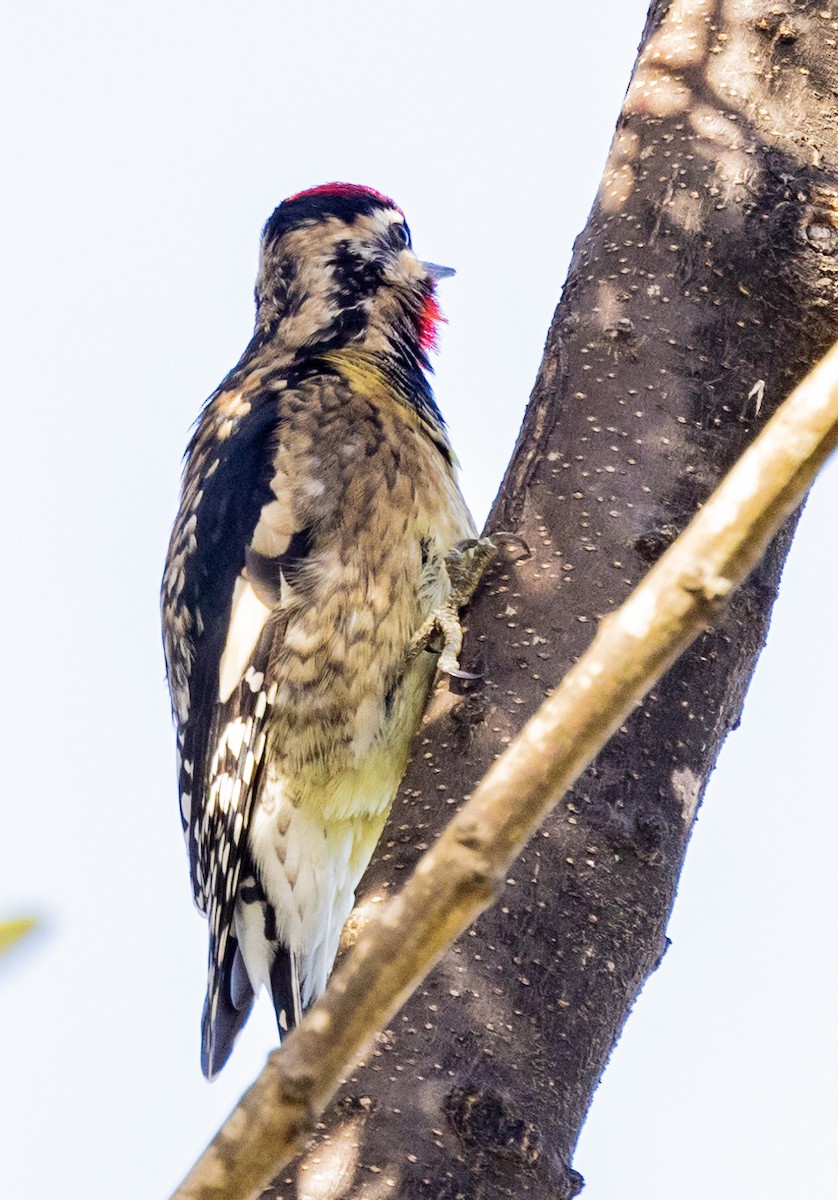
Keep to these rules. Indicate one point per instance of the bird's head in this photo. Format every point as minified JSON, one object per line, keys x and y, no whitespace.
{"x":337,"y":269}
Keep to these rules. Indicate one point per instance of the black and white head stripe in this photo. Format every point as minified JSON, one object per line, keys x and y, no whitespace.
{"x":346,"y":201}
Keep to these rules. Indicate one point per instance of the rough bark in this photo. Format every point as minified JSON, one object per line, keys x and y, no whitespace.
{"x":702,"y":289}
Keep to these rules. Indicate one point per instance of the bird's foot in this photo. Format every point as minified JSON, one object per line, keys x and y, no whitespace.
{"x":465,"y":565}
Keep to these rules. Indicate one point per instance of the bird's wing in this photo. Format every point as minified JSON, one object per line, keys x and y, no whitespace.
{"x":226,"y":484}
{"x":236,"y":751}
{"x":234,"y":540}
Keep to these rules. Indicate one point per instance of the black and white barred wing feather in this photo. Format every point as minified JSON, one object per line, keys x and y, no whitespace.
{"x":222,"y":626}
{"x":237,"y":746}
{"x":226,"y":484}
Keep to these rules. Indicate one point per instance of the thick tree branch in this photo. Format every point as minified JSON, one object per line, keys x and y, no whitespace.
{"x":464,"y":871}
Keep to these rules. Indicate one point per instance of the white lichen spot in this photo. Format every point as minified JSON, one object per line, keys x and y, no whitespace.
{"x":686,"y":787}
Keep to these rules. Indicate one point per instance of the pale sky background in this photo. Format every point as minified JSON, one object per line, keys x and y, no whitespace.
{"x":145,"y":145}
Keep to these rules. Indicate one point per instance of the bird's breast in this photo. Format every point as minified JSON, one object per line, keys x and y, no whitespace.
{"x":347,"y":700}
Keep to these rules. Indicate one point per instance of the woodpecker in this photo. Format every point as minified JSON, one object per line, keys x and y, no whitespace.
{"x":318,"y":560}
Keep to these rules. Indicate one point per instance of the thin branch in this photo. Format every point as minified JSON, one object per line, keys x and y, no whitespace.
{"x":463,"y":872}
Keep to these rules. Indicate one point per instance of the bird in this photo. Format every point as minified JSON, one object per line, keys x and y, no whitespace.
{"x":318,"y":561}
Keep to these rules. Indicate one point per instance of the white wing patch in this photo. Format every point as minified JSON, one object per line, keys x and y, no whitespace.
{"x":274,"y":529}
{"x":247,"y":620}
{"x":249,"y":612}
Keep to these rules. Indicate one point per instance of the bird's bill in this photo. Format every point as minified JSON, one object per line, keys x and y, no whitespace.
{"x":437,"y":272}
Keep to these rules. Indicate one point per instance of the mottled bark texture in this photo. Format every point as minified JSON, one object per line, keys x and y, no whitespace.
{"x":702,"y":289}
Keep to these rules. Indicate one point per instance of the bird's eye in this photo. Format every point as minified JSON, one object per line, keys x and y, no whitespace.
{"x":400,"y":234}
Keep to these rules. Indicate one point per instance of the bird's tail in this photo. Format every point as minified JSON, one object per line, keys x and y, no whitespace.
{"x":285,"y":990}
{"x":227,"y":1006}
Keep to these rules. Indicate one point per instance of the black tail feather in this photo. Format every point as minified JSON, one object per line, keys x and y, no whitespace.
{"x":285,"y":991}
{"x":235,"y":1000}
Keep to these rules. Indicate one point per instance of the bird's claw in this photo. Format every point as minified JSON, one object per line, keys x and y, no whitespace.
{"x":503,"y":538}
{"x":465,"y":564}
{"x":443,"y":623}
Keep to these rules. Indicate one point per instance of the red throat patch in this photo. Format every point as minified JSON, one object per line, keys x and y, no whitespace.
{"x":430,"y":318}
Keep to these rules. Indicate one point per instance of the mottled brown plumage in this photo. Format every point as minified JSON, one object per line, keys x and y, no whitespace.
{"x":319,"y":504}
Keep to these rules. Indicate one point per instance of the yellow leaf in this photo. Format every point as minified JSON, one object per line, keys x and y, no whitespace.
{"x":13,"y":931}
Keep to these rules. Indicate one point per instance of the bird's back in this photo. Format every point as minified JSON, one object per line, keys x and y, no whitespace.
{"x":319,"y":502}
